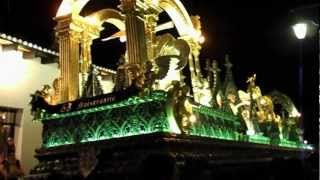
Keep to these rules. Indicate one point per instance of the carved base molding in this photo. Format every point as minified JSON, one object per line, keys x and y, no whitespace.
{"x":168,"y":156}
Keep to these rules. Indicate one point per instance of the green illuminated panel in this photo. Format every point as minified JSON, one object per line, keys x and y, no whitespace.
{"x":216,"y":124}
{"x":217,"y":113}
{"x":135,"y":116}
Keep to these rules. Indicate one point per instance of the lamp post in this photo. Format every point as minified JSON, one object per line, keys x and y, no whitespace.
{"x":300,"y":30}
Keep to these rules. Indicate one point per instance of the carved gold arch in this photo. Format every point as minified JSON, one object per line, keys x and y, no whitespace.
{"x":174,"y":8}
{"x":111,"y":16}
{"x":73,"y":7}
{"x":179,"y":16}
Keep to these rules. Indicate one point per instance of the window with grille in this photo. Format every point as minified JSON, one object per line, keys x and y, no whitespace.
{"x":9,"y":119}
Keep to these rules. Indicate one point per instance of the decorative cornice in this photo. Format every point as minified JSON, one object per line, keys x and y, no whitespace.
{"x":104,"y":69}
{"x":27,"y":44}
{"x":77,"y":24}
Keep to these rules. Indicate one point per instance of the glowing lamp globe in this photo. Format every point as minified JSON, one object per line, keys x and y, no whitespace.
{"x":300,"y":30}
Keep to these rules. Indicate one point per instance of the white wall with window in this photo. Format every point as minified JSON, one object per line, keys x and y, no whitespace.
{"x":19,"y":77}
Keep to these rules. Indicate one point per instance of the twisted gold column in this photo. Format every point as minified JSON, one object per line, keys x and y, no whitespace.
{"x":135,"y":32}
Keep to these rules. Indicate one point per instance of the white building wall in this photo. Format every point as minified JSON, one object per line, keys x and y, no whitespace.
{"x":18,"y":79}
{"x":107,"y":84}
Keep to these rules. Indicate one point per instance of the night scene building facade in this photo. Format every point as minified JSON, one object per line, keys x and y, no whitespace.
{"x":153,"y":115}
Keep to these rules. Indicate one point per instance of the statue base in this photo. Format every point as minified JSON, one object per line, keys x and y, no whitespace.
{"x":168,"y":156}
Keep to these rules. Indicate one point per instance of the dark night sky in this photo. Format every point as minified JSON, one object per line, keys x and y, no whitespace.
{"x":257,"y":36}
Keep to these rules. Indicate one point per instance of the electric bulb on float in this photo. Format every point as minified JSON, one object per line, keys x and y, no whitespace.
{"x":201,"y":39}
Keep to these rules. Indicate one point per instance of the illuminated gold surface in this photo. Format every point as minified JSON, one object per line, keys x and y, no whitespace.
{"x":137,"y":19}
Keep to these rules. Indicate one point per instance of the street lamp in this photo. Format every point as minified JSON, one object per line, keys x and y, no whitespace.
{"x":300,"y":30}
{"x":306,"y":19}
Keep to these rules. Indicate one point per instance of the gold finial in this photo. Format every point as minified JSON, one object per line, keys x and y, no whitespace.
{"x":196,"y":22}
{"x":252,"y":80}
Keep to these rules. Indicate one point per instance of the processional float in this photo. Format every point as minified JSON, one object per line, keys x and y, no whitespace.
{"x":154,"y":108}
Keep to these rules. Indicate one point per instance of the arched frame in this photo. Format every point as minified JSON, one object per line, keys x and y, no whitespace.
{"x":174,"y":8}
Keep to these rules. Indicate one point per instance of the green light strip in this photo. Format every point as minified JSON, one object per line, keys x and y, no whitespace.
{"x":286,"y":143}
{"x":216,"y":134}
{"x":259,"y":139}
{"x":216,"y":113}
{"x":141,"y":116}
{"x":292,"y":144}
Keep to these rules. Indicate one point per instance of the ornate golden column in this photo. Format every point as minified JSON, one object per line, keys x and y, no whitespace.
{"x":195,"y":45}
{"x":196,"y":54}
{"x":75,"y":35}
{"x":69,"y":41}
{"x":89,"y":33}
{"x":151,"y":18}
{"x":85,"y":59}
{"x":135,"y":31}
{"x":151,"y":24}
{"x":194,"y":63}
